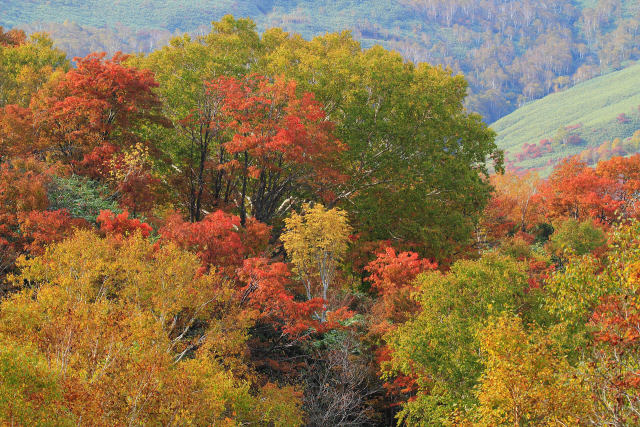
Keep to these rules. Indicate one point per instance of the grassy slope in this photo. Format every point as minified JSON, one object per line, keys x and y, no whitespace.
{"x":594,"y":103}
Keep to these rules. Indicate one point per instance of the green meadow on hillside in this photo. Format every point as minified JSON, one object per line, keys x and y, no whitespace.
{"x":589,"y":110}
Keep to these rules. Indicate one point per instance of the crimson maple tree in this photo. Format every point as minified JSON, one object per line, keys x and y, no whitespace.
{"x":121,"y":225}
{"x":218,"y":240}
{"x":258,"y":140}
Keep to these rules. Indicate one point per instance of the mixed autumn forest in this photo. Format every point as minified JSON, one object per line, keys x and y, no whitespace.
{"x":254,"y":228}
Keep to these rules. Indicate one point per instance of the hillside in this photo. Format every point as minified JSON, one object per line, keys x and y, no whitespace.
{"x":574,"y":121}
{"x":510,"y":52}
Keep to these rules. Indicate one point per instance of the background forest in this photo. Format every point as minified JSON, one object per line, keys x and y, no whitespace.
{"x":245,"y":227}
{"x":511,"y":51}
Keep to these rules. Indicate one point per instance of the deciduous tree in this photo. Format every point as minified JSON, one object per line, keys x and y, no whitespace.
{"x":135,"y":334}
{"x":526,"y":381}
{"x":316,"y":242}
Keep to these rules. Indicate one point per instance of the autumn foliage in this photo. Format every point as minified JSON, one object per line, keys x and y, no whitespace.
{"x":244,"y":229}
{"x":121,"y":225}
{"x":392,"y":276}
{"x":219,"y":240}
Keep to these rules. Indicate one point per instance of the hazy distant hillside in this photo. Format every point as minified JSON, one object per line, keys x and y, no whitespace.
{"x":586,"y":119}
{"x":511,"y":51}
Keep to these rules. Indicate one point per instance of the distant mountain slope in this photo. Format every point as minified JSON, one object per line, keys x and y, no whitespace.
{"x":573,"y":121}
{"x":511,"y":52}
{"x":306,"y":17}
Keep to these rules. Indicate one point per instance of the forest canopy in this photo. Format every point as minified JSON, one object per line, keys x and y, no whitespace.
{"x":244,"y":228}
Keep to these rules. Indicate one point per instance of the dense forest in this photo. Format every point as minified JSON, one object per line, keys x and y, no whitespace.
{"x":511,"y":51}
{"x":253,"y":228}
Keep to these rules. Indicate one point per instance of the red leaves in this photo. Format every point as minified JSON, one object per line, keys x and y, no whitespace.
{"x":12,"y":37}
{"x":257,"y":140}
{"x":41,"y":228}
{"x":121,"y":225}
{"x":576,"y":190}
{"x":539,"y":271}
{"x":392,"y":275}
{"x":278,"y":137}
{"x":617,"y":319}
{"x":266,"y":291}
{"x":99,"y":101}
{"x":392,"y":271}
{"x":120,"y":94}
{"x":617,"y":338}
{"x":218,"y":239}
{"x":269,"y":119}
{"x":96,"y":163}
{"x":222,"y":243}
{"x":533,"y":151}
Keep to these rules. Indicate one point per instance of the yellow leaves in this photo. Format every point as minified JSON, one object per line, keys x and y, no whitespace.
{"x":27,"y":67}
{"x":316,"y":241}
{"x":276,"y":410}
{"x":525,"y":381}
{"x":29,"y":389}
{"x":134,"y":161}
{"x":138,"y":336}
{"x":317,"y":232}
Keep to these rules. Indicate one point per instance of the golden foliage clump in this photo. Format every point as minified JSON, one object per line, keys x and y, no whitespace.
{"x":135,"y":334}
{"x":316,"y":241}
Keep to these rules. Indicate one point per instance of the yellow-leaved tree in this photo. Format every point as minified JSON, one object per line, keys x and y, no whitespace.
{"x":526,"y":381}
{"x":316,"y":241}
{"x":132,"y":333}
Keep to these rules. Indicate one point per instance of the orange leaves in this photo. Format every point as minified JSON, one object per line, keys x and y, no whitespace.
{"x":514,"y":203}
{"x":124,"y":94}
{"x":236,"y":252}
{"x":218,"y":239}
{"x":576,"y":190}
{"x":266,"y":290}
{"x":277,"y":141}
{"x":258,"y":141}
{"x":617,"y":319}
{"x":269,"y":117}
{"x":17,"y":134}
{"x":392,"y":271}
{"x":392,"y":275}
{"x":124,"y":321}
{"x":12,"y":37}
{"x":100,"y":100}
{"x":40,"y":228}
{"x":625,"y":172}
{"x":121,"y":224}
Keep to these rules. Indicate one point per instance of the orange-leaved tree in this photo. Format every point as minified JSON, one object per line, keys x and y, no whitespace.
{"x":257,"y":140}
{"x":577,"y":191}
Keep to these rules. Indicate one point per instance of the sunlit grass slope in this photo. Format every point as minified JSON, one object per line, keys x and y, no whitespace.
{"x":595,"y":104}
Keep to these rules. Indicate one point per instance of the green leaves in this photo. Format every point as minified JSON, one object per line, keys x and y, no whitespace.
{"x":30,"y":393}
{"x":416,"y":160}
{"x":439,"y":347}
{"x":82,"y":197}
{"x":26,"y":67}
